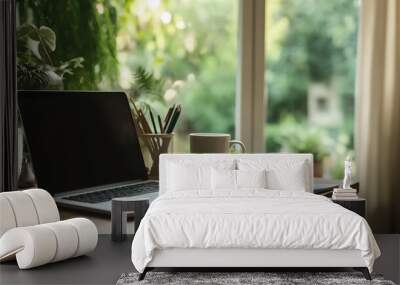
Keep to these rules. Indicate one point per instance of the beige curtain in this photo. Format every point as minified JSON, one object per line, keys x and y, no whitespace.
{"x":378,"y":113}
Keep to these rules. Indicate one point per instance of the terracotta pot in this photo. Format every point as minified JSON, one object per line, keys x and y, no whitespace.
{"x":318,"y":168}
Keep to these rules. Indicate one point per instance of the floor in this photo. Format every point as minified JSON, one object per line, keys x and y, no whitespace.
{"x":103,"y":266}
{"x":110,"y":260}
{"x":389,"y":262}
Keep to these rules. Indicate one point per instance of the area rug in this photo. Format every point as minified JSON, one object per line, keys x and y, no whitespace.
{"x":244,"y":278}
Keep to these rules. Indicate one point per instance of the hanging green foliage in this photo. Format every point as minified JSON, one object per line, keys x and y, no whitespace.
{"x":84,"y":28}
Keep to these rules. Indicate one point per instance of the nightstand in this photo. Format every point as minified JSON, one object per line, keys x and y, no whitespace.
{"x":119,"y":214}
{"x":358,"y":205}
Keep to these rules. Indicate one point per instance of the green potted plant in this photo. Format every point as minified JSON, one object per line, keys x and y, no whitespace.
{"x":36,"y":67}
{"x":309,"y":141}
{"x":300,"y":138}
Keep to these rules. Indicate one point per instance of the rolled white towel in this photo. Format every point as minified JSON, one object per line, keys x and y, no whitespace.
{"x":45,"y":205}
{"x":23,"y":208}
{"x":40,"y":244}
{"x":67,"y":240}
{"x":33,"y":246}
{"x":7,"y":218}
{"x":87,"y":235}
{"x":26,"y":208}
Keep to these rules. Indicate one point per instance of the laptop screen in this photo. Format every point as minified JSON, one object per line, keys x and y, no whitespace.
{"x":80,"y":139}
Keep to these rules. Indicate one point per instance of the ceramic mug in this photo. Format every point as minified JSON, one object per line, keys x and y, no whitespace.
{"x":213,"y":143}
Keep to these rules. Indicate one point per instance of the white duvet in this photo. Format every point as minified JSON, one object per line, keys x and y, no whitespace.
{"x":250,"y":219}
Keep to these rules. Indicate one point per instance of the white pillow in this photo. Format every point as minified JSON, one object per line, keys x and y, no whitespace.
{"x":294,"y":179}
{"x":227,"y":179}
{"x":223,"y":179}
{"x":182,"y":178}
{"x":251,"y":178}
{"x":281,"y":174}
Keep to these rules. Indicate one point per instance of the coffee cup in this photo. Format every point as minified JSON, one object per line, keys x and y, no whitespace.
{"x":213,"y":143}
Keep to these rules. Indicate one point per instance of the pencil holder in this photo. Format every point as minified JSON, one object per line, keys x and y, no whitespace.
{"x":156,"y":144}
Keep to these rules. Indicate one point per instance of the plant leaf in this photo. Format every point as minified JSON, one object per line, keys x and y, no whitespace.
{"x":43,"y":53}
{"x":33,"y":46}
{"x":31,"y":77}
{"x":147,"y":83}
{"x":76,"y":62}
{"x":47,"y":37}
{"x":25,"y":30}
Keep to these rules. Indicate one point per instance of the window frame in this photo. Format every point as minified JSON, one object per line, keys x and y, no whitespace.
{"x":250,"y":105}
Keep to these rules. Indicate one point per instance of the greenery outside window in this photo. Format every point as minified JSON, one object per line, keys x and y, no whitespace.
{"x":310,"y":71}
{"x":185,"y":52}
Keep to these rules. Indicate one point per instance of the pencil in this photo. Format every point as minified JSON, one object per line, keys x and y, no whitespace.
{"x":153,"y":121}
{"x":160,"y":124}
{"x":169,"y":117}
{"x":174,"y":119}
{"x":168,"y":114}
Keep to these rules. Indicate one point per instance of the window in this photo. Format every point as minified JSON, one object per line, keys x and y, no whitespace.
{"x":310,"y":71}
{"x":190,"y":46}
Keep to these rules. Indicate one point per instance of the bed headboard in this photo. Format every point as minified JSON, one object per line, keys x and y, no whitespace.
{"x":215,"y":158}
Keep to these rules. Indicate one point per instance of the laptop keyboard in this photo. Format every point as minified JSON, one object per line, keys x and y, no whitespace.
{"x":123,"y":191}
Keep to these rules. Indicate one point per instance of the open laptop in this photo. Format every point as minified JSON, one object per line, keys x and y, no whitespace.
{"x":84,"y":147}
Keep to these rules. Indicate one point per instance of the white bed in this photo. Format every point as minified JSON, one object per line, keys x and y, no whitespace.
{"x":249,"y":227}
